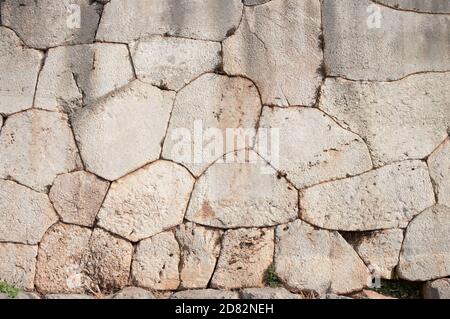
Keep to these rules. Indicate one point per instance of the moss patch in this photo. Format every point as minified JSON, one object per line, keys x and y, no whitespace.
{"x":9,"y":290}
{"x":399,"y":289}
{"x":270,"y":277}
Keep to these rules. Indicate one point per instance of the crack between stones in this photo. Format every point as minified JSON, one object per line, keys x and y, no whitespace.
{"x":38,"y":76}
{"x":342,"y":77}
{"x":408,"y":10}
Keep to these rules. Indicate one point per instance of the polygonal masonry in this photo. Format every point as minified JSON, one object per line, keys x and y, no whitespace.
{"x":317,"y":260}
{"x":17,"y":265}
{"x":35,"y":146}
{"x":284,"y":67}
{"x":400,"y":120}
{"x":242,"y":192}
{"x":80,"y":74}
{"x":431,"y":6}
{"x":48,"y":23}
{"x":124,"y":131}
{"x":366,"y":41}
{"x":125,"y":21}
{"x":312,"y":148}
{"x":439,"y":164}
{"x":213,"y":115}
{"x":384,"y":198}
{"x":20,"y":67}
{"x":173,"y":62}
{"x":147,"y":201}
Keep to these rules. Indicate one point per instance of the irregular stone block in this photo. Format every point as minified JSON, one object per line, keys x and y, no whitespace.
{"x":254,"y":2}
{"x":68,"y":296}
{"x":438,"y":289}
{"x":268,"y":293}
{"x":387,"y":197}
{"x":133,"y":293}
{"x":205,"y":294}
{"x":439,"y":164}
{"x":431,"y":6}
{"x":18,"y":265}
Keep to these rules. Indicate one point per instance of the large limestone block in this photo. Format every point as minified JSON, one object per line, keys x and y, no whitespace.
{"x":25,"y":215}
{"x":365,"y":41}
{"x":438,"y":289}
{"x":124,"y":131}
{"x":200,"y":248}
{"x":317,"y":260}
{"x":204,"y":112}
{"x":155,"y":263}
{"x":400,"y":120}
{"x":205,"y":294}
{"x":431,"y":6}
{"x":49,"y":23}
{"x":312,"y":148}
{"x":80,"y":74}
{"x":17,"y":265}
{"x":246,"y":254}
{"x":125,"y":21}
{"x":147,"y":201}
{"x":439,"y":164}
{"x":277,"y":45}
{"x":239,"y":193}
{"x":426,"y":249}
{"x":268,"y":293}
{"x":384,"y":198}
{"x":35,"y":146}
{"x":20,"y":67}
{"x":173,"y":62}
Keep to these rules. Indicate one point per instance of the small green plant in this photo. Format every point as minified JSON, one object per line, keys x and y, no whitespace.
{"x":9,"y":290}
{"x":399,"y":289}
{"x":270,"y":277}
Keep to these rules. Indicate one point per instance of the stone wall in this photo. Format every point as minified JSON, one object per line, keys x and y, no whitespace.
{"x":223,"y":145}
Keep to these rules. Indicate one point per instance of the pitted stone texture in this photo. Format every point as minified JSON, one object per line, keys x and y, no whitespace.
{"x":200,"y":248}
{"x":80,"y":74}
{"x":125,"y":21}
{"x":238,"y":193}
{"x":284,"y":67}
{"x":401,"y":120}
{"x":246,"y":254}
{"x":147,"y":201}
{"x":387,"y":197}
{"x":124,"y":131}
{"x":381,"y":250}
{"x":49,"y":23}
{"x":205,"y":294}
{"x":35,"y":146}
{"x":174,"y":62}
{"x":254,"y":2}
{"x":60,"y":260}
{"x":365,"y":41}
{"x":155,"y":264}
{"x":439,"y":164}
{"x":17,"y":265}
{"x":317,"y":260}
{"x":268,"y":293}
{"x":312,"y":147}
{"x":438,"y":289}
{"x":133,"y":293}
{"x":426,"y":249}
{"x":430,"y":6}
{"x":77,"y":197}
{"x":209,"y":106}
{"x":25,"y":215}
{"x":20,"y":67}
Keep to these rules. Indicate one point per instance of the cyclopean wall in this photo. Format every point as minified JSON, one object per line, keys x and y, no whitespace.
{"x":96,"y":193}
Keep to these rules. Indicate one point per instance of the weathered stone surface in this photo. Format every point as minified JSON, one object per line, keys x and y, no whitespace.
{"x":438,"y":289}
{"x":365,"y":41}
{"x":17,"y":265}
{"x":200,"y":248}
{"x":370,"y":294}
{"x":203,"y":112}
{"x":77,"y":197}
{"x":133,"y":293}
{"x":431,"y":6}
{"x":147,"y":201}
{"x":35,"y":146}
{"x":242,"y":194}
{"x":334,"y":296}
{"x":124,"y":131}
{"x":425,"y":253}
{"x":25,"y":215}
{"x":317,"y":260}
{"x":49,"y":23}
{"x":246,"y":254}
{"x":205,"y":294}
{"x":173,"y":62}
{"x":80,"y":74}
{"x":155,"y":264}
{"x":381,"y":250}
{"x":27,"y":295}
{"x":20,"y":67}
{"x":254,"y":2}
{"x":400,"y":120}
{"x":312,"y":147}
{"x":285,"y":68}
{"x":68,"y":296}
{"x":60,"y":260}
{"x":439,"y":164}
{"x":387,"y":197}
{"x":268,"y":293}
{"x":197,"y":19}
